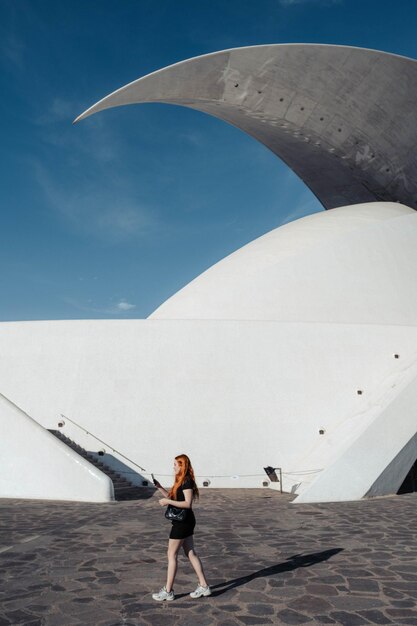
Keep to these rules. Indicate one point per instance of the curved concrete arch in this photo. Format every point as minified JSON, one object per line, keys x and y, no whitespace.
{"x":344,"y":119}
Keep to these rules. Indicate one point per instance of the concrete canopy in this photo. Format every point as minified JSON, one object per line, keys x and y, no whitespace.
{"x":344,"y":119}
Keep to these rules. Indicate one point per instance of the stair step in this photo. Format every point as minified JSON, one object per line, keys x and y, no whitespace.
{"x":124,"y":489}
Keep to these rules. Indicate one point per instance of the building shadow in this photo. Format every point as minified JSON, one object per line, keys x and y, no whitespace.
{"x":410,"y":481}
{"x":123,"y":494}
{"x":292,"y":563}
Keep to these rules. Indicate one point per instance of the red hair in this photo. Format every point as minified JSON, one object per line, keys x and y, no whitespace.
{"x":185,"y":471}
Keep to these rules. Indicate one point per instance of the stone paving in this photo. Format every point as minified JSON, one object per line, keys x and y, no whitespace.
{"x":268,"y":561}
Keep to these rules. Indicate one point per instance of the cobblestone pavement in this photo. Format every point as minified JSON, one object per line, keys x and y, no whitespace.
{"x":268,"y":561}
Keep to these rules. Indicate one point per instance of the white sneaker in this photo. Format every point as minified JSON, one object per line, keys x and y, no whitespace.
{"x":163,"y":594}
{"x":201,"y":591}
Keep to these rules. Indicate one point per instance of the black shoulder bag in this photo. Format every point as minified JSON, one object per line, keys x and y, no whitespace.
{"x":175,"y":514}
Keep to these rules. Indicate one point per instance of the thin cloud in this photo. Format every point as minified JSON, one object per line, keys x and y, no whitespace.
{"x":108,"y":214}
{"x":328,"y":3}
{"x":302,"y":202}
{"x":194,"y":138}
{"x":125,"y":306}
{"x":303,"y":207}
{"x":120,"y":307}
{"x":97,"y":142}
{"x":14,"y":51}
{"x":58,"y":110}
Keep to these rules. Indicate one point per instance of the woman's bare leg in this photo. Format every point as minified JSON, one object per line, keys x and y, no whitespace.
{"x":173,"y":548}
{"x":190,"y":552}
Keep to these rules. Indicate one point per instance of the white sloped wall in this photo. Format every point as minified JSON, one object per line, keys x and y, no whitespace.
{"x":36,"y":465}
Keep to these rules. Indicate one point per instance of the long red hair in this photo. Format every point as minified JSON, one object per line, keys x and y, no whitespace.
{"x":185,"y":471}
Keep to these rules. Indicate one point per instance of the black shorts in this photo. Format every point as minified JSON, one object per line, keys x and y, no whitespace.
{"x":182,"y":530}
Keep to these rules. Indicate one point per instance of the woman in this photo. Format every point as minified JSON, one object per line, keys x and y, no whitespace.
{"x":181,"y":496}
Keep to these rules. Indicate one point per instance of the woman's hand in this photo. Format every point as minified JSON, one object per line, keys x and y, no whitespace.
{"x":164,"y":501}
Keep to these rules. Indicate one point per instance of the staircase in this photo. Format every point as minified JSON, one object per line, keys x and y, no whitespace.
{"x":123,"y":488}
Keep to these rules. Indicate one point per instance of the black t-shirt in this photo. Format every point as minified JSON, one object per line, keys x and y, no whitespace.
{"x":187,"y":484}
{"x":189,"y":516}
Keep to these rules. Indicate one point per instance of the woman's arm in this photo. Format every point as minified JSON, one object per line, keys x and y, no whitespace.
{"x":188,"y":495}
{"x":160,"y":488}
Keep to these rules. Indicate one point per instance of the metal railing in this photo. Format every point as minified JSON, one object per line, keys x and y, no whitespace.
{"x":103,"y":442}
{"x":270,"y":471}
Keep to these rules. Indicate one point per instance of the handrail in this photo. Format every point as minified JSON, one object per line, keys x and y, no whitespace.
{"x":103,"y":442}
{"x":281,"y":472}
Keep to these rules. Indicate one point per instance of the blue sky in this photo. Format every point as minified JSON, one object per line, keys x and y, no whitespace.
{"x":108,"y":218}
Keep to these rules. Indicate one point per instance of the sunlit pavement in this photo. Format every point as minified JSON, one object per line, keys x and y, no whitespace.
{"x":268,"y":562}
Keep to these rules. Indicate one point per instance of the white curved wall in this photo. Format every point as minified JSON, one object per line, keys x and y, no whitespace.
{"x":235,"y":396}
{"x":349,"y":265}
{"x":35,"y":464}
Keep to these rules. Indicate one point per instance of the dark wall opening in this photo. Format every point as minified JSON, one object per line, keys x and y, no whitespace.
{"x":410,"y":482}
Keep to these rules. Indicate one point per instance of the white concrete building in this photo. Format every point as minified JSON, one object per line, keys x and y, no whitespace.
{"x":298,"y":351}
